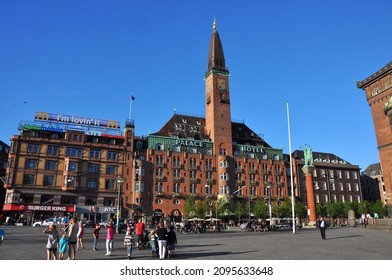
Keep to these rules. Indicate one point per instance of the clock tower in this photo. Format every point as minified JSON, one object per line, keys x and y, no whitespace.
{"x":218,"y":115}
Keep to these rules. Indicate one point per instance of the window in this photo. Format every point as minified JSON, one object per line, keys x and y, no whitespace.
{"x":112,"y":155}
{"x":50,"y":165}
{"x":222,"y":151}
{"x":208,"y":189}
{"x":111,"y":169}
{"x":31,"y":164}
{"x":348,"y":187}
{"x":223,"y":163}
{"x":109,"y":185}
{"x":356,"y":187}
{"x":341,"y":187}
{"x":355,"y":175}
{"x":49,"y":180}
{"x":224,"y":177}
{"x":224,"y":190}
{"x":95,"y":154}
{"x":73,"y":166}
{"x":347,"y":174}
{"x":33,"y":149}
{"x":52,"y":150}
{"x":90,"y":200}
{"x":333,"y":198}
{"x":109,"y":201}
{"x":92,"y":183}
{"x":139,"y":186}
{"x":159,"y":187}
{"x":193,"y":189}
{"x":28,"y":179}
{"x":317,"y":198}
{"x":176,"y":188}
{"x":158,"y":172}
{"x":74,"y":152}
{"x":176,"y":148}
{"x":47,"y":199}
{"x":94,"y":168}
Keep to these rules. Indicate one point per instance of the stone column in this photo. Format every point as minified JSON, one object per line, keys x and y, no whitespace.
{"x":308,"y":170}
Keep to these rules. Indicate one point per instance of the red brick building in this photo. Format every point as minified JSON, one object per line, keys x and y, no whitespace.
{"x":378,"y":89}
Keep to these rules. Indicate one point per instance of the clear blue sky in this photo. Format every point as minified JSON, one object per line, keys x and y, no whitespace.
{"x":85,"y":58}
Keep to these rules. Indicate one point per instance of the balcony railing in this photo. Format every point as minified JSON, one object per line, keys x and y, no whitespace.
{"x":176,"y":195}
{"x":193,"y":180}
{"x":238,"y":171}
{"x":159,"y":194}
{"x":240,"y":183}
{"x":159,"y":178}
{"x":177,"y":179}
{"x":253,"y":183}
{"x":209,"y":181}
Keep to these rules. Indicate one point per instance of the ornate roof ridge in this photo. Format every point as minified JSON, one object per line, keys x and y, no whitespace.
{"x":379,"y":74}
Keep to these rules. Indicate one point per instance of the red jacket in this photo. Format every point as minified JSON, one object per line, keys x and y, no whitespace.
{"x":139,"y":228}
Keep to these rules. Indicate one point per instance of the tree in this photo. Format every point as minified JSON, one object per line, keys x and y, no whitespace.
{"x":321,"y":210}
{"x":239,"y":210}
{"x":190,"y":206}
{"x":201,"y":209}
{"x":300,"y":210}
{"x":260,"y":209}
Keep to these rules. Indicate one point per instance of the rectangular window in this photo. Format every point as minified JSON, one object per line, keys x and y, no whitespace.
{"x":33,"y":149}
{"x":52,"y":150}
{"x":92,"y":183}
{"x":74,"y":152}
{"x":159,"y":187}
{"x":109,"y":201}
{"x":355,"y":175}
{"x":111,"y":169}
{"x":94,"y":168}
{"x":28,"y":179}
{"x":348,"y":187}
{"x":224,"y":190}
{"x":139,"y":186}
{"x":31,"y":164}
{"x":49,"y":180}
{"x":95,"y":154}
{"x":193,"y":189}
{"x":176,"y":188}
{"x":224,"y":177}
{"x":73,"y":166}
{"x":109,"y":185}
{"x":51,"y":165}
{"x":112,"y":155}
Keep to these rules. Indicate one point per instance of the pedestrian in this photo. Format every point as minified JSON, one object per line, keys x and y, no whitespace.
{"x":73,"y":238}
{"x":154,"y":243}
{"x":139,"y":232}
{"x":128,"y":242}
{"x":96,"y":236}
{"x":109,"y":238}
{"x":171,"y":242}
{"x":80,"y":236}
{"x":63,"y":243}
{"x":323,"y":226}
{"x":366,"y":221}
{"x":52,"y":243}
{"x":162,"y":240}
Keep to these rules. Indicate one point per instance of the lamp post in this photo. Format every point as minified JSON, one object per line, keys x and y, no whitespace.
{"x":120,"y":180}
{"x":269,"y":187}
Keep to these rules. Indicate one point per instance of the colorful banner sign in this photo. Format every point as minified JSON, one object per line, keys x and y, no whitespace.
{"x":45,"y":116}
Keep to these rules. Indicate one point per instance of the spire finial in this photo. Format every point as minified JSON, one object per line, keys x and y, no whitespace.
{"x":214,"y":25}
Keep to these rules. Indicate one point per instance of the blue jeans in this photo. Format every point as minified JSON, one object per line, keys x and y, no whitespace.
{"x":129,"y":250}
{"x":95,"y":243}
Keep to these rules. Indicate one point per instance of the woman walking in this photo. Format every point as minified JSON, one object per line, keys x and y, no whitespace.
{"x":80,"y":236}
{"x":162,"y":240}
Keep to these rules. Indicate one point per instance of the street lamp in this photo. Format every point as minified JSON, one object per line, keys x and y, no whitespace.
{"x":248,"y":197}
{"x":269,"y":187}
{"x":120,"y":180}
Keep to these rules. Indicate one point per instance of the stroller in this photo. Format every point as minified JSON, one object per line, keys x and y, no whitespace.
{"x":145,"y":240}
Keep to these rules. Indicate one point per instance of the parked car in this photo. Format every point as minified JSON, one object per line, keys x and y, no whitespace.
{"x":44,"y":223}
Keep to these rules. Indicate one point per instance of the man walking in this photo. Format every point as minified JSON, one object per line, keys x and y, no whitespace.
{"x":323,"y":227}
{"x":139,"y":232}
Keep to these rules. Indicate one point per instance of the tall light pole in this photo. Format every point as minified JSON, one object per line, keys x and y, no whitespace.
{"x":269,"y":187}
{"x":120,"y":180}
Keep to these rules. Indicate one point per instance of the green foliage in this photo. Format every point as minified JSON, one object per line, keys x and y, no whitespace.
{"x":300,"y":210}
{"x":190,"y":206}
{"x":260,"y":210}
{"x":239,"y":209}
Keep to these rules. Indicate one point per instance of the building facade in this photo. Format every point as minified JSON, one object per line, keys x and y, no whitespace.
{"x":4,"y":149}
{"x":208,"y":157}
{"x":378,"y":90}
{"x":372,"y":182}
{"x":334,"y":179}
{"x":61,"y":165}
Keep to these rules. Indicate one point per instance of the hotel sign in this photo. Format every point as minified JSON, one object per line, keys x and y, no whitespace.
{"x":250,"y":149}
{"x":189,"y":143}
{"x":69,"y":119}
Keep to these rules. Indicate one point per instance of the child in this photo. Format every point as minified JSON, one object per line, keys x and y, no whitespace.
{"x":128,"y":242}
{"x":63,"y":246}
{"x":96,"y":236}
{"x":153,"y":243}
{"x":171,"y":241}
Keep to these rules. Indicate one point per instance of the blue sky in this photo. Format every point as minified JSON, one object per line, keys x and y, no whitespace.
{"x":86,"y":58}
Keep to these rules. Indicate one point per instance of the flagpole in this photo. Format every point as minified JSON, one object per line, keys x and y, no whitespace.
{"x":130,"y":107}
{"x":291,"y":168}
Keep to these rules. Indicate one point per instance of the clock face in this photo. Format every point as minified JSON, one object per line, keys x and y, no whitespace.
{"x":221,"y":84}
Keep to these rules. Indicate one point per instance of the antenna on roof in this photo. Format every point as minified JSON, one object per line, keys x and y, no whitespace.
{"x":174,"y":110}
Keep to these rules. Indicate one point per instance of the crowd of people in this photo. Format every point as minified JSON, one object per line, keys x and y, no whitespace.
{"x":67,"y":241}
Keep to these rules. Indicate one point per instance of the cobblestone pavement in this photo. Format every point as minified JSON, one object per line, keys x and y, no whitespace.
{"x":28,"y":243}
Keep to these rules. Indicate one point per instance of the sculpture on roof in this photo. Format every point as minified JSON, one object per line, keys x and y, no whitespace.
{"x":308,"y":154}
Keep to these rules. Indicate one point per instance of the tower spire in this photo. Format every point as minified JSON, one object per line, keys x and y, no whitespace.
{"x":216,"y":57}
{"x":214,"y":25}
